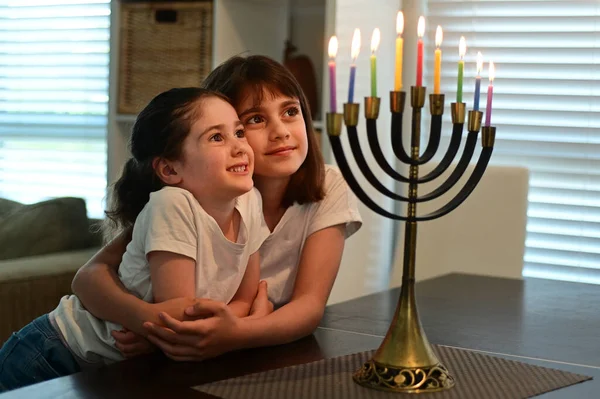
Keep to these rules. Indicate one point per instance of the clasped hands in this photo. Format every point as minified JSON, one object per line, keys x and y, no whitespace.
{"x":192,"y":329}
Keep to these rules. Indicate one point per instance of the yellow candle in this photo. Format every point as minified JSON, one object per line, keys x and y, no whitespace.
{"x":399,"y":50}
{"x":437,"y":67}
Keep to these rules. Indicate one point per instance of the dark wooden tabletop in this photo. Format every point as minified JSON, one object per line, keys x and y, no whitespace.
{"x":552,"y":324}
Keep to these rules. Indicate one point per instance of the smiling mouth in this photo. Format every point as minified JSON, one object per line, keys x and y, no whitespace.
{"x":238,"y":168}
{"x":282,"y":150}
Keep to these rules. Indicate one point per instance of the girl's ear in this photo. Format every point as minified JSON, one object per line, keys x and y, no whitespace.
{"x":166,"y":171}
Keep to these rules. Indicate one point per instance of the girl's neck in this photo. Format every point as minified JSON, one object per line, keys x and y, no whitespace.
{"x":272,"y":191}
{"x":225,"y":215}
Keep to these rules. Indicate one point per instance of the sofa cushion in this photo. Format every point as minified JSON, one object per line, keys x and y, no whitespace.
{"x":7,"y":206}
{"x":55,"y":225}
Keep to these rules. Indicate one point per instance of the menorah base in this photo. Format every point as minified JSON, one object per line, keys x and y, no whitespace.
{"x":404,"y":380}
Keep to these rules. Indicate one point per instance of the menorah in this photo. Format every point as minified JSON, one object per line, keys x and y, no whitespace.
{"x":405,"y":361}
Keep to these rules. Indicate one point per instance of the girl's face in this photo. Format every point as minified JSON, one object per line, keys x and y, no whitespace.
{"x":216,"y":157}
{"x":276,"y":131}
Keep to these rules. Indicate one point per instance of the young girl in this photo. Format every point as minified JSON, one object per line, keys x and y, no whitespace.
{"x":197,"y":227}
{"x":307,"y":206}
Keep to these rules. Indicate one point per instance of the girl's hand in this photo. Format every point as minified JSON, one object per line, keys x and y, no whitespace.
{"x":173,"y":307}
{"x":200,"y":339}
{"x":261,"y":305}
{"x":131,"y":344}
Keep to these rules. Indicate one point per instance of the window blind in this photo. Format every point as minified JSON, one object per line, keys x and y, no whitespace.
{"x":54,"y":57}
{"x":547,"y":110}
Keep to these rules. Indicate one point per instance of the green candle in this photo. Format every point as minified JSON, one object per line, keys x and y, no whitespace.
{"x":459,"y":85}
{"x":374,"y":44}
{"x":373,"y":76}
{"x":462,"y":50}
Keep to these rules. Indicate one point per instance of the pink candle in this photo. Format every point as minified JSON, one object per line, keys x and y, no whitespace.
{"x":332,"y":99}
{"x":420,"y":33}
{"x":490,"y":93}
{"x":333,"y":48}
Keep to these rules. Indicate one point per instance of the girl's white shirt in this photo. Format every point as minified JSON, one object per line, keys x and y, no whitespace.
{"x":281,"y":251}
{"x":172,"y":221}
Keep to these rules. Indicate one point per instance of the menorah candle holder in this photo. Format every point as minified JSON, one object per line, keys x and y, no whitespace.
{"x":405,"y":362}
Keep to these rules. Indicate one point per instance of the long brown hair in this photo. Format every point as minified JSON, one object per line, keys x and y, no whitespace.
{"x":256,"y":74}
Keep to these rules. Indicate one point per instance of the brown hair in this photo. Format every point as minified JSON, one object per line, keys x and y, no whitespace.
{"x":238,"y":76}
{"x":159,"y":131}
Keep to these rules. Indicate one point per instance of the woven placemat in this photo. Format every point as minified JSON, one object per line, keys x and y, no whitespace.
{"x":332,"y":378}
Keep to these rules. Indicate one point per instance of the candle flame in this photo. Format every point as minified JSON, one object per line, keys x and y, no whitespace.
{"x":492,"y":72}
{"x":355,"y":44}
{"x":375,"y":40}
{"x":462,"y":47}
{"x":333,"y":47}
{"x":421,"y":26}
{"x":479,"y":62}
{"x":400,"y":23}
{"x":439,"y":36}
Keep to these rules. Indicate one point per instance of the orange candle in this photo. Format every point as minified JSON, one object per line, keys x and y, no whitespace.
{"x":399,"y":50}
{"x":437,"y":65}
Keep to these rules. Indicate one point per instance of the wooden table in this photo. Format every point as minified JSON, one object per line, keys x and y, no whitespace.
{"x":542,"y":322}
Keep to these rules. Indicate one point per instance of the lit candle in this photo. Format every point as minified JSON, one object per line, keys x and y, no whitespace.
{"x":333,"y":48}
{"x":420,"y":33}
{"x":399,"y":49}
{"x":462,"y":50}
{"x":354,"y":54}
{"x":437,"y":65}
{"x":490,"y":93}
{"x":374,"y":45}
{"x":478,"y":81}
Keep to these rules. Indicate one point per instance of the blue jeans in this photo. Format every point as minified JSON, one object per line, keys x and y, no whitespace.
{"x":34,"y":354}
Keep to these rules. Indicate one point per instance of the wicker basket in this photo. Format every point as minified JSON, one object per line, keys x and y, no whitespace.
{"x":162,"y":45}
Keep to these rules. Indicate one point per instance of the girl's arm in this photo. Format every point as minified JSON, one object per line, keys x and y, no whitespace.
{"x":317,"y":270}
{"x":201,"y":339}
{"x":98,"y":287}
{"x":242,"y":301}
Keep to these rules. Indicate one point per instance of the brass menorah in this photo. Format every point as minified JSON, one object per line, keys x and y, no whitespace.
{"x":405,"y":362}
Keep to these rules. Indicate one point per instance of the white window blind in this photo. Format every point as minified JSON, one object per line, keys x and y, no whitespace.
{"x":547,"y":111}
{"x":54,"y":58}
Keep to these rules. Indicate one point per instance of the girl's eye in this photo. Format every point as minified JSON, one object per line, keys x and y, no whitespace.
{"x":240,"y":133}
{"x":216,"y":137}
{"x":255,"y":119}
{"x":293,"y":111}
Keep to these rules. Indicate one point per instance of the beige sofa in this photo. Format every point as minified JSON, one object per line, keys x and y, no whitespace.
{"x":32,"y":286}
{"x":37,"y":263}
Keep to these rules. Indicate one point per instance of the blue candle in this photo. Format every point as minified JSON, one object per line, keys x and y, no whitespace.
{"x":477,"y":90}
{"x":354,"y":50}
{"x":351,"y":87}
{"x":478,"y":81}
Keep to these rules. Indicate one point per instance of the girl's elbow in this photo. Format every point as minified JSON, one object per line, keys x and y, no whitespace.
{"x":314,"y":321}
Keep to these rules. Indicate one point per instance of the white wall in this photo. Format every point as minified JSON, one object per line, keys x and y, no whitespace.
{"x":250,"y":27}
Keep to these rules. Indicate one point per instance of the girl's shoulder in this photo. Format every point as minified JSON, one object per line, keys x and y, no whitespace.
{"x":335,"y":184}
{"x":333,"y":177}
{"x":172,"y":198}
{"x":339,"y":206}
{"x":171,"y":193}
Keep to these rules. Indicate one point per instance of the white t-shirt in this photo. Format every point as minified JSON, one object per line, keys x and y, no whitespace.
{"x":172,"y":221}
{"x":281,"y":251}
